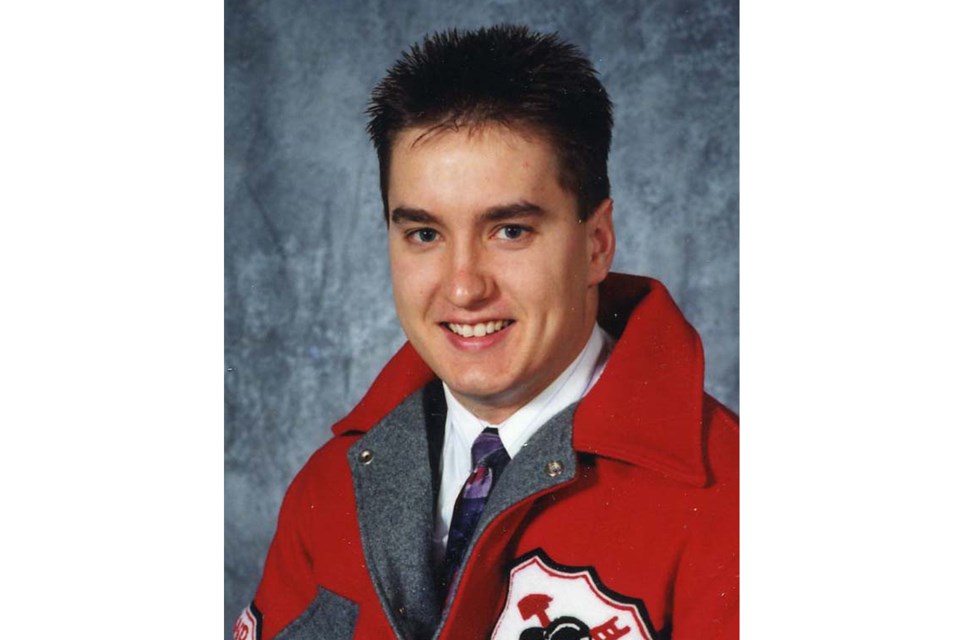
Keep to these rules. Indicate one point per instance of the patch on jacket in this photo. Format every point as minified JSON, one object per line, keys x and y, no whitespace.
{"x":247,"y":626}
{"x":549,"y":601}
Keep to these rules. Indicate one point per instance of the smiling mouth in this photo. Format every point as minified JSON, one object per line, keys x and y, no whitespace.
{"x":478,"y":330}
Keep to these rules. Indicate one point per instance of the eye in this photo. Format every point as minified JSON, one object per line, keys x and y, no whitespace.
{"x":423,"y":236}
{"x":513,"y":231}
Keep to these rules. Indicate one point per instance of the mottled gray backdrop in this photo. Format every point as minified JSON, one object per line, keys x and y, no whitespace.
{"x":309,"y":315}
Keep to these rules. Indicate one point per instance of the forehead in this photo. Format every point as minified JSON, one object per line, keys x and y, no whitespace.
{"x":494,"y":160}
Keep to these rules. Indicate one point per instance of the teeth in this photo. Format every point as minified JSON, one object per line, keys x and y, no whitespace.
{"x":479,"y":330}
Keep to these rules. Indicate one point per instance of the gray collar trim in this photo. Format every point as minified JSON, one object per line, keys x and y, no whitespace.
{"x":545,"y":462}
{"x":393,"y":485}
{"x":394,"y":488}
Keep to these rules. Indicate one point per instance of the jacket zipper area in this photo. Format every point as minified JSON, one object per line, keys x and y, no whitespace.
{"x":482,"y":540}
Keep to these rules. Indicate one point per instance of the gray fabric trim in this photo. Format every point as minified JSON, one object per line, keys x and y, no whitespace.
{"x":329,"y":616}
{"x":395,"y":507}
{"x":527,"y":475}
{"x":395,"y":504}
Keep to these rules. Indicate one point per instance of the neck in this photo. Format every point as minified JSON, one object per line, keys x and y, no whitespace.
{"x":495,"y":410}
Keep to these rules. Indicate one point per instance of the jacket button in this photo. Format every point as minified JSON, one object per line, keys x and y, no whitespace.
{"x":554,"y":468}
{"x":366,"y":456}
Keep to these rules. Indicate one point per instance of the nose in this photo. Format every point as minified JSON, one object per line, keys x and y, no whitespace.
{"x":469,"y":283}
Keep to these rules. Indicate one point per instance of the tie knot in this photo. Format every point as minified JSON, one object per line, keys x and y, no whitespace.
{"x":486,"y":447}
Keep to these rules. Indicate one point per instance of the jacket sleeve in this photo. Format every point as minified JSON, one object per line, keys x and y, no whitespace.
{"x":707,"y":603}
{"x":288,"y":586}
{"x":706,"y":597}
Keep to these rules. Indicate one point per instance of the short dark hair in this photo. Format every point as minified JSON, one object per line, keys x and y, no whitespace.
{"x":506,"y":75}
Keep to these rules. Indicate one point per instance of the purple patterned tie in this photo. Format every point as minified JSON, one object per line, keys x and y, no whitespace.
{"x":489,"y":458}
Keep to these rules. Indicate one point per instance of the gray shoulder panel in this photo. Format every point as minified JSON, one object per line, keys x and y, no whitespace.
{"x":329,"y":616}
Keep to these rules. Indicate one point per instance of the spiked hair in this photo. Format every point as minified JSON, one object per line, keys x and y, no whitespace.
{"x":505,"y":75}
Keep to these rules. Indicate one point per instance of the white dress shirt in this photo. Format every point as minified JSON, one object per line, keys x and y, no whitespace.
{"x":462,"y":427}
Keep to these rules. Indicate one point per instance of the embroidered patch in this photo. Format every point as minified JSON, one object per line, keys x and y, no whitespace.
{"x":247,"y":626}
{"x":548,"y":601}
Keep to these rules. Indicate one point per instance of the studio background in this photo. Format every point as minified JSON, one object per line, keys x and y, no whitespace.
{"x":309,"y":318}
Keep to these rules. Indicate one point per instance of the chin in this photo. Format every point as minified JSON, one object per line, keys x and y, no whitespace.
{"x":490,"y":393}
{"x":486,"y":392}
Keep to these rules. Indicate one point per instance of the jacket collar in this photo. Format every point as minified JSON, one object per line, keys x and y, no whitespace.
{"x":645,"y":409}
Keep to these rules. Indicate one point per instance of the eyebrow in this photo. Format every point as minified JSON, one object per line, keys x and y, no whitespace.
{"x":522,"y":209}
{"x":407,"y":214}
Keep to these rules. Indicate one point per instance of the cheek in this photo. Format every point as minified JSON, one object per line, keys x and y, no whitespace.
{"x":401,"y":284}
{"x":412,"y":281}
{"x":404,"y":295}
{"x":557,"y":273}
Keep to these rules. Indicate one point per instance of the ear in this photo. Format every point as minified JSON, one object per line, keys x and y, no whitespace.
{"x":601,"y":242}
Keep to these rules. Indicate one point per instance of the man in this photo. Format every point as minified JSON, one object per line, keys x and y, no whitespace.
{"x":540,"y":460}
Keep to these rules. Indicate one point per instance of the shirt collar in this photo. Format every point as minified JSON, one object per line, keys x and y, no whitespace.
{"x":571,"y":385}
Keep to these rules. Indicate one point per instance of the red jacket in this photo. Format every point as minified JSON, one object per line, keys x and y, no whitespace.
{"x":620,"y":517}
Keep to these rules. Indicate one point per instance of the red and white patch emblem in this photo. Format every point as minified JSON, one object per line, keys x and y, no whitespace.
{"x":548,"y":601}
{"x":247,"y":625}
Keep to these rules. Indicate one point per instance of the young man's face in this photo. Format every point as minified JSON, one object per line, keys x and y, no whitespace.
{"x":494,"y":277}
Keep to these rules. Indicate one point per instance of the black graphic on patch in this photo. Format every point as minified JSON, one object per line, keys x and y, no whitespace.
{"x":563,"y":628}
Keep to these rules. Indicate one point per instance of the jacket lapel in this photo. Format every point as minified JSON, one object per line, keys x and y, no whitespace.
{"x":394,"y":484}
{"x":545,"y":463}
